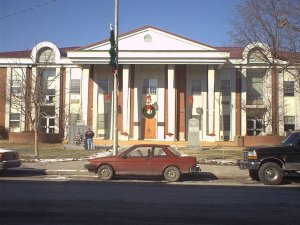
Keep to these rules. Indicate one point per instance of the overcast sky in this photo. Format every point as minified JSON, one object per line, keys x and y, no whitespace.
{"x":68,"y":23}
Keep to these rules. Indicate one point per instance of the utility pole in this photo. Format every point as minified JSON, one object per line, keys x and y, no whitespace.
{"x":115,"y":110}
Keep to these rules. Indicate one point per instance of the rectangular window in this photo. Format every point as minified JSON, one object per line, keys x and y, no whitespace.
{"x":288,"y":88}
{"x":50,"y":96}
{"x":75,"y":86}
{"x":255,"y":87}
{"x":150,"y":86}
{"x":289,"y":123}
{"x":254,"y":126}
{"x":196,"y":87}
{"x":14,"y":122}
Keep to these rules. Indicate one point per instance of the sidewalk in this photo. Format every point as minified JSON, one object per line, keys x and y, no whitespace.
{"x":77,"y":168}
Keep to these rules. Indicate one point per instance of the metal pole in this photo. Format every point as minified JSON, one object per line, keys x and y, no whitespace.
{"x":115,"y":122}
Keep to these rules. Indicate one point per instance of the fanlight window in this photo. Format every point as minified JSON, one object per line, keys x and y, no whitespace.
{"x":46,"y":55}
{"x":256,"y":56}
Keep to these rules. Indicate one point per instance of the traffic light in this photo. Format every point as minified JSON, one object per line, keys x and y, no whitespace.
{"x":113,"y":50}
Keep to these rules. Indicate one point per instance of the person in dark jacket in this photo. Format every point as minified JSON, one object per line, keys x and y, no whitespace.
{"x":89,"y":135}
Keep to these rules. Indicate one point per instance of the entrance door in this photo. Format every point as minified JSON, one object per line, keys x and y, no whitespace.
{"x":149,"y":128}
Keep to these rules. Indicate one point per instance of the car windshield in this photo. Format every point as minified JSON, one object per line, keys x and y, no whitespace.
{"x":176,"y":153}
{"x":290,"y":139}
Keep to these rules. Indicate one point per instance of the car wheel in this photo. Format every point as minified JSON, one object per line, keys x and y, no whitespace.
{"x":270,"y":173}
{"x":253,"y":174}
{"x":172,"y":174}
{"x":105,"y":172}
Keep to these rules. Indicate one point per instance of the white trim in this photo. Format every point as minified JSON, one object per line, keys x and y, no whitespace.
{"x":211,"y":98}
{"x":171,"y":102}
{"x":126,"y":101}
{"x":85,"y":94}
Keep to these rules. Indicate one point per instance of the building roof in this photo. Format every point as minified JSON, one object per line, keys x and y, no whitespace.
{"x":27,"y":53}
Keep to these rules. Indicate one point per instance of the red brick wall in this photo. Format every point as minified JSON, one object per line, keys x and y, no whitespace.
{"x":261,"y":140}
{"x":3,"y":76}
{"x":180,"y":74}
{"x":90,"y":97}
{"x":28,"y":137}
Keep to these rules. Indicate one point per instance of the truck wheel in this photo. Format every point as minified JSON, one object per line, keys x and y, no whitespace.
{"x":105,"y":172}
{"x":253,"y":174}
{"x":270,"y":173}
{"x":172,"y":174}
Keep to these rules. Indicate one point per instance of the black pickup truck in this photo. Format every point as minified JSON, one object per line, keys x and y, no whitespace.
{"x":269,"y":163}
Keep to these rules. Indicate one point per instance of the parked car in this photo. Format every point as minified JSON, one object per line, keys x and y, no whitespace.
{"x":145,"y":159}
{"x":269,"y":163}
{"x":9,"y":159}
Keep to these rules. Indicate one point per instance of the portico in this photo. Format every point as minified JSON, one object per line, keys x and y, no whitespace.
{"x":164,"y":80}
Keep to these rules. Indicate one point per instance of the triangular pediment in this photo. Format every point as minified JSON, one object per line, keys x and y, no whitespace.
{"x":151,"y":39}
{"x":149,"y":45}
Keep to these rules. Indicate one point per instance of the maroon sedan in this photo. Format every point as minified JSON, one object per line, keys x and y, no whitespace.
{"x":146,"y":159}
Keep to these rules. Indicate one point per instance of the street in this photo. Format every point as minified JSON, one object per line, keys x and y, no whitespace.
{"x":57,"y":200}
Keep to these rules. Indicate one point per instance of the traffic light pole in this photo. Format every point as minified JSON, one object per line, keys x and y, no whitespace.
{"x":115,"y":101}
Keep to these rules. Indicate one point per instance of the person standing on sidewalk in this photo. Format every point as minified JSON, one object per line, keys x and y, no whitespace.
{"x":89,"y":135}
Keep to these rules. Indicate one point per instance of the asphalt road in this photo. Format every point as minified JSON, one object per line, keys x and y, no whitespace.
{"x":62,"y":202}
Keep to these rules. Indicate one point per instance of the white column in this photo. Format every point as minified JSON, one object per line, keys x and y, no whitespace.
{"x":210,"y":98}
{"x":233,"y":105}
{"x":244,"y":100}
{"x":84,"y":93}
{"x":137,"y":120}
{"x":171,"y":101}
{"x":161,"y":104}
{"x":126,"y":101}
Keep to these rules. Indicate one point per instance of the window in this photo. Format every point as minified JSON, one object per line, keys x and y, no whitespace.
{"x":15,"y":86}
{"x":257,"y":55}
{"x":196,"y":87}
{"x":289,"y":123}
{"x":225,"y":87}
{"x":254,"y":126}
{"x":47,"y":125}
{"x":140,"y":152}
{"x":103,"y":87}
{"x":150,"y":86}
{"x":159,"y":152}
{"x":14,"y":122}
{"x":255,"y":87}
{"x":75,"y":86}
{"x":50,"y":96}
{"x":46,"y":55}
{"x":288,"y":88}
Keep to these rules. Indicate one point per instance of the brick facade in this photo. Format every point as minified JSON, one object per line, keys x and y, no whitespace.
{"x":3,"y":76}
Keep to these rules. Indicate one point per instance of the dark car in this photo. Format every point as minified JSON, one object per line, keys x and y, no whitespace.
{"x":145,"y":160}
{"x":269,"y":163}
{"x":9,"y":159}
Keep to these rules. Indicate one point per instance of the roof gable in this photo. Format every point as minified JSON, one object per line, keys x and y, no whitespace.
{"x":150,"y":38}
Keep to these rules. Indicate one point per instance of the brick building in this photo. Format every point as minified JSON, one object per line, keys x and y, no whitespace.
{"x":164,"y":80}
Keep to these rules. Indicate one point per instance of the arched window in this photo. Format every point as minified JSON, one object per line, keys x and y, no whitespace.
{"x":46,"y":55}
{"x":256,"y":55}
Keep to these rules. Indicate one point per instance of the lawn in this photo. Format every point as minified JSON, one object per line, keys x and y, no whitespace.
{"x":59,"y":151}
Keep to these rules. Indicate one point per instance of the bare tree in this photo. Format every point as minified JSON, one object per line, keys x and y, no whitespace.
{"x":33,"y":96}
{"x":272,"y":26}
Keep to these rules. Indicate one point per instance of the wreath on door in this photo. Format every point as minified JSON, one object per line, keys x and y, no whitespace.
{"x":149,"y":111}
